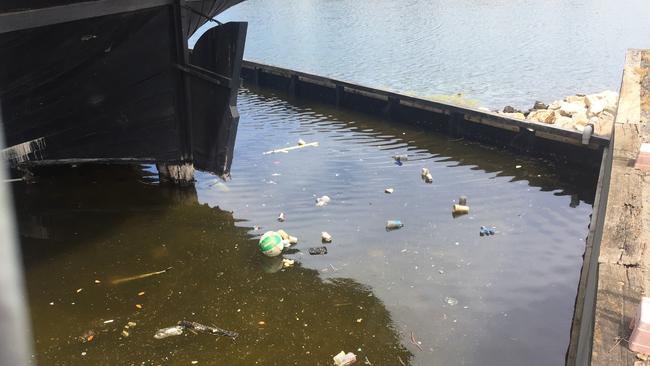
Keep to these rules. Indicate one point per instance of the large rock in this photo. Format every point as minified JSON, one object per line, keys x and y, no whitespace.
{"x":569,"y":109}
{"x":539,"y":105}
{"x":596,"y":106}
{"x":601,"y":101}
{"x":510,"y":109}
{"x":580,"y":119}
{"x":555,"y":105}
{"x":563,"y":121}
{"x":542,"y":116}
{"x":605,"y":124}
{"x":575,"y":99}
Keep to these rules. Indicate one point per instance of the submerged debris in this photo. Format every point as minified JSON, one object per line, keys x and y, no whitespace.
{"x":137,"y":277}
{"x":318,"y":251}
{"x":451,"y":301}
{"x":207,"y":329}
{"x":195,"y":327}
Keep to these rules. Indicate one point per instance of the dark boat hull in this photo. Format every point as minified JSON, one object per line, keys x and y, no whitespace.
{"x":122,"y":87}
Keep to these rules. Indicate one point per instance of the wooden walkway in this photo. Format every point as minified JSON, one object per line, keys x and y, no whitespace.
{"x":620,"y":239}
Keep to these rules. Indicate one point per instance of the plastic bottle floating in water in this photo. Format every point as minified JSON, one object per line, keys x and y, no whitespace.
{"x":486,"y":231}
{"x":394,"y":225}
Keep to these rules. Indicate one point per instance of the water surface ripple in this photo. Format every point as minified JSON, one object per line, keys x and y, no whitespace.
{"x":497,"y":52}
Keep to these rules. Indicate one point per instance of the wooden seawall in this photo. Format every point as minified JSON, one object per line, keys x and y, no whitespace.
{"x":522,"y":136}
{"x":615,"y":272}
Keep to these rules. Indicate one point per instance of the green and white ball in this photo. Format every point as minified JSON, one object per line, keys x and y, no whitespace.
{"x":271,"y":244}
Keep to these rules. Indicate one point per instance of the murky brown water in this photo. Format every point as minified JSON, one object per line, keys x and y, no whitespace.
{"x":373,"y":290}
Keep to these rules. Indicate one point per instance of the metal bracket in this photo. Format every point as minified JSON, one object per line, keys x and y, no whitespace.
{"x":206,"y":75}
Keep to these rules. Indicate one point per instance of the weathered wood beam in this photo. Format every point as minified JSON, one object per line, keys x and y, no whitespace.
{"x":623,"y":258}
{"x":32,"y":18}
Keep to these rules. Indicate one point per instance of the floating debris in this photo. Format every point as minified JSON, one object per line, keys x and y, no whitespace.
{"x":322,"y":201}
{"x":87,"y":336}
{"x":401,"y":157}
{"x":451,"y":301}
{"x":271,"y":244}
{"x":326,"y":237}
{"x":517,"y":166}
{"x":426,"y":175}
{"x":286,"y":263}
{"x":389,"y":190}
{"x":317,"y":251}
{"x":345,"y":359}
{"x":462,"y":200}
{"x":206,"y":329}
{"x":169,"y":332}
{"x":301,"y":142}
{"x":98,"y":281}
{"x":486,"y":231}
{"x":281,"y":217}
{"x":415,"y":342}
{"x":394,"y":225}
{"x":138,"y":277}
{"x":125,"y":333}
{"x":287,"y":239}
{"x":79,"y":290}
{"x":287,"y":149}
{"x":140,"y":293}
{"x":460,"y":210}
{"x":138,"y":306}
{"x":109,"y":321}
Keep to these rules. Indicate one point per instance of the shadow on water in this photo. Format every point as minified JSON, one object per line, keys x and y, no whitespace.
{"x":84,"y":224}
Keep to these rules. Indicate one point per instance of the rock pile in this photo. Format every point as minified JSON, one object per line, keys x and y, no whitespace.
{"x":574,"y":112}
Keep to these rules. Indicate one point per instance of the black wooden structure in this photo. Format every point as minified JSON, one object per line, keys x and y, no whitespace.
{"x":114,"y":81}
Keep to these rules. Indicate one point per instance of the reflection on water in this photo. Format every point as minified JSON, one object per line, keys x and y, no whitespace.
{"x":468,"y":299}
{"x":499,"y":52}
{"x":83,"y":225}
